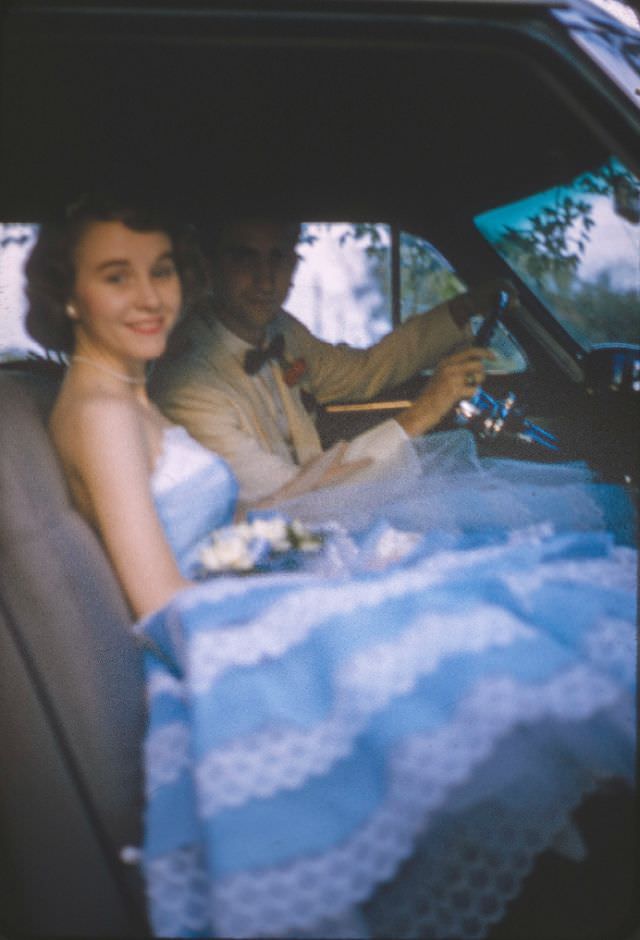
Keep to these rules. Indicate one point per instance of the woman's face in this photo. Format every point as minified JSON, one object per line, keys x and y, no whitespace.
{"x":127,"y":293}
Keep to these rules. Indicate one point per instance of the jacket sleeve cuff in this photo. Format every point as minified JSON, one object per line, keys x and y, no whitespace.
{"x":377,"y":442}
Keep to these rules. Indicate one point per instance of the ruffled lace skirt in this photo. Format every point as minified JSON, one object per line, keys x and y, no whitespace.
{"x":384,"y":745}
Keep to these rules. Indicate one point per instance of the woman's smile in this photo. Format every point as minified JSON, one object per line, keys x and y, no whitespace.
{"x":127,"y":293}
{"x":149,"y":327}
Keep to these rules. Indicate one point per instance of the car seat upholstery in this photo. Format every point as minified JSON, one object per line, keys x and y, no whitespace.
{"x":71,"y":699}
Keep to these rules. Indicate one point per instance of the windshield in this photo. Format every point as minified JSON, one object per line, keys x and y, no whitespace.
{"x":577,"y":247}
{"x":614,"y":46}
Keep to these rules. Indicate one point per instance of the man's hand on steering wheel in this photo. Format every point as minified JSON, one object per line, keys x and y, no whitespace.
{"x":456,"y":377}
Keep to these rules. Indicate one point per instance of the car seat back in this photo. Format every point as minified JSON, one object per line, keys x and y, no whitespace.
{"x":71,"y":698}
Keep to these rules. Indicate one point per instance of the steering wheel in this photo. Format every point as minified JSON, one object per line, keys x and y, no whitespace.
{"x":489,"y":417}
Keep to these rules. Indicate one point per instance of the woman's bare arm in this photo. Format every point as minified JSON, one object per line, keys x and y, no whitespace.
{"x":109,"y":455}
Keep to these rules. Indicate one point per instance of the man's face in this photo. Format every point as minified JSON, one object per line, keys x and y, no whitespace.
{"x":251,"y":275}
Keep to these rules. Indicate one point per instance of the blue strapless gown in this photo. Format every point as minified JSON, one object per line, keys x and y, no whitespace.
{"x":382,"y":743}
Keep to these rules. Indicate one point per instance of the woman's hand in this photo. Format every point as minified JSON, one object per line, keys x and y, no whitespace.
{"x":456,"y":377}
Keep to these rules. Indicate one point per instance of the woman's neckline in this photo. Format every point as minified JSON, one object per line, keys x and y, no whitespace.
{"x":165,"y":454}
{"x":101,"y":367}
{"x":161,"y":456}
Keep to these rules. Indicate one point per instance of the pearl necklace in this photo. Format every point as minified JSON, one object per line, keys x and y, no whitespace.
{"x":102,"y":368}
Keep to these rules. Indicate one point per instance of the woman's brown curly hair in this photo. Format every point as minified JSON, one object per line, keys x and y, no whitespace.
{"x":50,"y":269}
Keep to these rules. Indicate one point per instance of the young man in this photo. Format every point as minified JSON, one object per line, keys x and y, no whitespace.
{"x":242,"y":374}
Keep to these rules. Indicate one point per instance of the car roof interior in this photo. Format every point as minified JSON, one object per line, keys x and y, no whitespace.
{"x":306,"y":120}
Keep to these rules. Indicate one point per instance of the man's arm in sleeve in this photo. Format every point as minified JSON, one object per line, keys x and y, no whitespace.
{"x":344,"y":373}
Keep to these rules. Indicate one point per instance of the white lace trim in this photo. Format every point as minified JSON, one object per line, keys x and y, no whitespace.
{"x":422,"y":774}
{"x":290,"y":619}
{"x":282,"y":758}
{"x":166,"y":755}
{"x":163,"y":683}
{"x":617,"y":571}
{"x":458,"y":883}
{"x":466,"y":870}
{"x":178,"y":893}
{"x":613,"y":644}
{"x":303,"y":895}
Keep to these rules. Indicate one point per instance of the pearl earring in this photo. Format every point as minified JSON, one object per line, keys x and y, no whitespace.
{"x":71,"y":311}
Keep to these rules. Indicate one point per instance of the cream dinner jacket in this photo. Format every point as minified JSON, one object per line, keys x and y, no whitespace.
{"x":203,"y":386}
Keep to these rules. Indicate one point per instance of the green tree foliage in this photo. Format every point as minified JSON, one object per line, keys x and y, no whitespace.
{"x":547,"y":247}
{"x":426,"y":278}
{"x":15,"y":234}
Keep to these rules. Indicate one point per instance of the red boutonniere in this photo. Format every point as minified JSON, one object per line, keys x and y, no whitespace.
{"x":294,"y":372}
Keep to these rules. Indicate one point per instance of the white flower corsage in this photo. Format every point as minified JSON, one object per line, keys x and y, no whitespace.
{"x":259,"y":544}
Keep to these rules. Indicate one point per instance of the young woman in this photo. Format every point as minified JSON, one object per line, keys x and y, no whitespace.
{"x":364,"y":745}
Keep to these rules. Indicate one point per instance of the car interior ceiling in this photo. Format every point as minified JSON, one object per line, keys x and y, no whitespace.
{"x":322,"y":131}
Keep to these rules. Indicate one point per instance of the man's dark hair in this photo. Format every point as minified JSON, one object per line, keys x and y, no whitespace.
{"x":210,"y":234}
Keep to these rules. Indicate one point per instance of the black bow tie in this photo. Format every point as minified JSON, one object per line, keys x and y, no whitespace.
{"x":254,"y":359}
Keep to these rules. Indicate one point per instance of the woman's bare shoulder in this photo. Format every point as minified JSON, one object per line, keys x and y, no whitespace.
{"x":96,"y":421}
